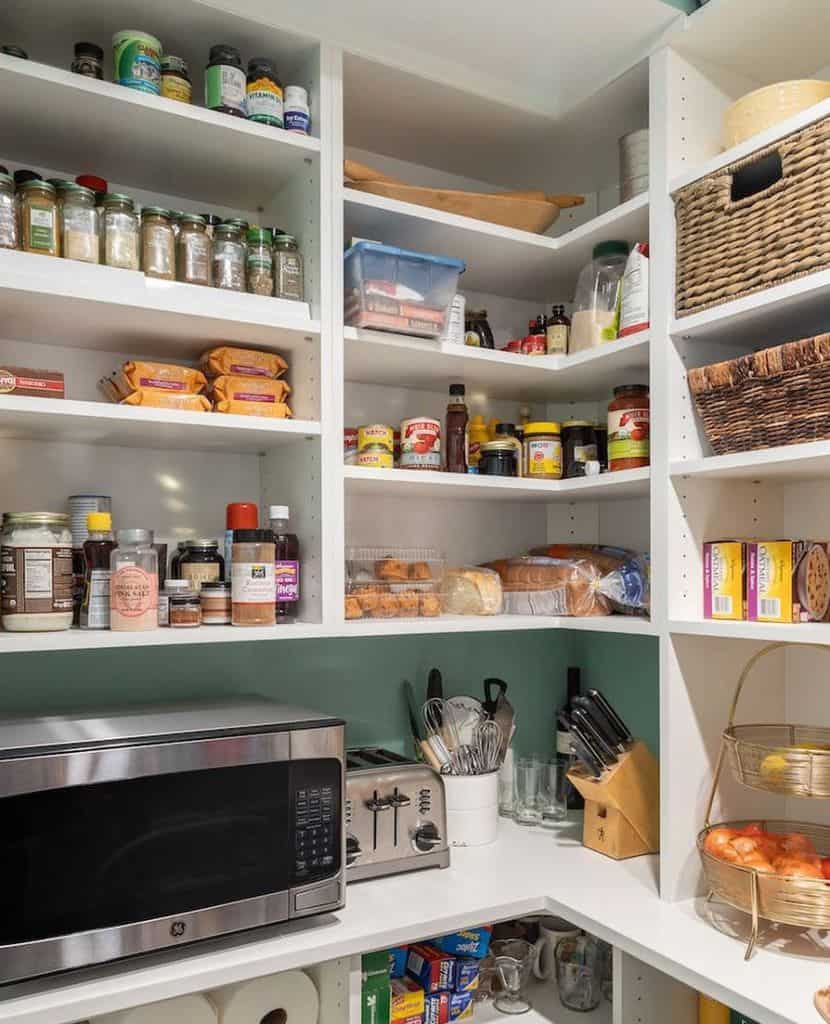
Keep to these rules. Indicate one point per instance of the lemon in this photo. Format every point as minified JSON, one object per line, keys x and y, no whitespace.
{"x":773,"y":765}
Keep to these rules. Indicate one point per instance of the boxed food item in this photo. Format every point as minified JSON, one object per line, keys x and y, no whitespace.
{"x":431,"y":967}
{"x":136,"y":374}
{"x":397,"y":961}
{"x":375,"y":995}
{"x":389,"y":583}
{"x":20,"y":380}
{"x":407,"y":998}
{"x":242,"y":362}
{"x":443,"y":1007}
{"x":471,"y":942}
{"x":788,"y":581}
{"x":724,"y":580}
{"x":251,"y":396}
{"x":395,"y":289}
{"x":466,"y":974}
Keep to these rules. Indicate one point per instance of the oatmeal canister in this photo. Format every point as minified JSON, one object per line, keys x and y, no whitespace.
{"x":421,"y":443}
{"x":375,"y":446}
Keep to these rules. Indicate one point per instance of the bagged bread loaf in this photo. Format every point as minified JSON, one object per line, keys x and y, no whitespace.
{"x":471,"y":590}
{"x":251,"y":396}
{"x":136,"y":374}
{"x":167,"y":400}
{"x":242,"y":362}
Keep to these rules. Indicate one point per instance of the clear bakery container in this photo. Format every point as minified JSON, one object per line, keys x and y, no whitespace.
{"x":393,"y":583}
{"x":393,"y":289}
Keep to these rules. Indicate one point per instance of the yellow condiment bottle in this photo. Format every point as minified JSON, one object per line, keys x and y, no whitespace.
{"x":491,"y":427}
{"x":710,"y":1011}
{"x":478,"y":434}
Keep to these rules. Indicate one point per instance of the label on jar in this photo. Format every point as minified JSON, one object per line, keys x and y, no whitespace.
{"x":628,"y":434}
{"x":298,"y":120}
{"x":97,"y":599}
{"x":225,"y":87}
{"x":176,"y":88}
{"x":35,"y":580}
{"x":264,"y":101}
{"x":557,"y":339}
{"x":375,"y":434}
{"x":41,"y":228}
{"x":8,"y":223}
{"x":420,"y":444}
{"x":376,"y":458}
{"x":199,"y":572}
{"x":544,"y":457}
{"x":253,"y":583}
{"x":133,"y":598}
{"x":80,"y":245}
{"x":287,"y":574}
{"x":159,"y":259}
{"x":585,"y":453}
{"x":197,"y":258}
{"x":289,"y":277}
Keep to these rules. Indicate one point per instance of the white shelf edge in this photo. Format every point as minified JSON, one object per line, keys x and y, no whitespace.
{"x":603,"y":222}
{"x":789,"y":460}
{"x":766,"y":632}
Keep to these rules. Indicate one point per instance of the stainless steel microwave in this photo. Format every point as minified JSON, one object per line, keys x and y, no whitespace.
{"x":159,"y":826}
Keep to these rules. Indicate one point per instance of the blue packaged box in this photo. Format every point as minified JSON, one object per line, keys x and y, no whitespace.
{"x":397,"y":961}
{"x":433,"y":969}
{"x":472,"y":942}
{"x":445,"y":1007}
{"x":466,"y":974}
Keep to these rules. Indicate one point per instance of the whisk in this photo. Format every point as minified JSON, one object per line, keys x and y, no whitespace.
{"x":488,"y":740}
{"x":433,"y":712}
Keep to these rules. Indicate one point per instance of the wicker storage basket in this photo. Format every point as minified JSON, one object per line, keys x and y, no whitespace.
{"x":728,"y":248}
{"x":774,"y":397}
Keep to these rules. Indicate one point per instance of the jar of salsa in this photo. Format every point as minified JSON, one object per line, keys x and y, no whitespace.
{"x":628,"y":428}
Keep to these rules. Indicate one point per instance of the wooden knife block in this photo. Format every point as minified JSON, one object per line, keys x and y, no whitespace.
{"x":622,"y":809}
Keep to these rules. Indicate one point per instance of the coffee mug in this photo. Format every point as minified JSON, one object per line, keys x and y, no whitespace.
{"x":551,"y":930}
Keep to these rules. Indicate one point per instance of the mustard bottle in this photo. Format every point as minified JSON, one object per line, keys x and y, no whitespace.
{"x":479,"y":434}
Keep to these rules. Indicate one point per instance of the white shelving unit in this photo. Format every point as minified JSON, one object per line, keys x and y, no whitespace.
{"x":176,"y":472}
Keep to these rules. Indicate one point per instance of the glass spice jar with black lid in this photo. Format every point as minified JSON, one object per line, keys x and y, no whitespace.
{"x":89,"y":61}
{"x":201,"y":562}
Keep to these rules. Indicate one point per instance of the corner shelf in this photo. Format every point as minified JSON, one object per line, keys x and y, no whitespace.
{"x":794,"y":462}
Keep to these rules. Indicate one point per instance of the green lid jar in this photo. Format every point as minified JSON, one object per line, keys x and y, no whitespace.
{"x":260,"y":262}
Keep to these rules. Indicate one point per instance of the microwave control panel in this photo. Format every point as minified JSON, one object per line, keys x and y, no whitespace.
{"x":316,"y":834}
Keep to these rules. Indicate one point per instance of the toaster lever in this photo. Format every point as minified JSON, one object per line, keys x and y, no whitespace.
{"x":376,"y":804}
{"x":398,"y":800}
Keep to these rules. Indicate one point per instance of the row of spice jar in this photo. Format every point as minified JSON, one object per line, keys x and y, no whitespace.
{"x":59,"y":570}
{"x":85,"y":222}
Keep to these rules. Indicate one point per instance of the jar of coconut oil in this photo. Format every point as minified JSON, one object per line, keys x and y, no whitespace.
{"x":35,"y":572}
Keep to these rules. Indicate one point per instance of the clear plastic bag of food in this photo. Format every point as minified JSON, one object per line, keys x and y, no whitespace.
{"x":471,"y":590}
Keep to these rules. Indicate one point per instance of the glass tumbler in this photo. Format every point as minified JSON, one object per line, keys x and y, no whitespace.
{"x":527,"y":807}
{"x":514,"y":961}
{"x":553,"y":790}
{"x":578,"y":973}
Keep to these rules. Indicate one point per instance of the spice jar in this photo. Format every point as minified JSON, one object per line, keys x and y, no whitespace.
{"x":253,"y":585}
{"x":225,"y":82}
{"x":201,"y":562}
{"x":119,"y":232}
{"x":260,"y":262}
{"x":134,"y":582}
{"x":175,"y":79}
{"x":229,"y":258}
{"x":184,"y":611}
{"x":171,"y":587}
{"x":297,"y":115}
{"x":79,"y":224}
{"x":38,"y":217}
{"x":628,"y":428}
{"x":215,"y":598}
{"x":193,"y":250}
{"x":263,"y":100}
{"x":211,"y":223}
{"x":35,"y":572}
{"x":579,"y":444}
{"x":543,"y":451}
{"x":498,"y":458}
{"x":8,"y":213}
{"x":288,"y":269}
{"x":158,"y":243}
{"x":89,"y":60}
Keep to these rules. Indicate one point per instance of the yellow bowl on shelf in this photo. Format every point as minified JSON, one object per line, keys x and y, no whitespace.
{"x":768,"y":106}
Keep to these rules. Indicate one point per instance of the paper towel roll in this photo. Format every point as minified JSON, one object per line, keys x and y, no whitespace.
{"x":182,"y":1010}
{"x":251,"y":1002}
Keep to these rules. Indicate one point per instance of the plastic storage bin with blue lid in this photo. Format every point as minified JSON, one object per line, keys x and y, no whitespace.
{"x":393,"y":289}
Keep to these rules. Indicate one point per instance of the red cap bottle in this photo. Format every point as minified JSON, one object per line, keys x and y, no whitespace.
{"x":239,"y":515}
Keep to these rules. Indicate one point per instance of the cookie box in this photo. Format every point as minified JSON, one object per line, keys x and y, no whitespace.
{"x":724,"y":580}
{"x":433,"y":969}
{"x":788,"y":581}
{"x":407,"y":998}
{"x":471,"y":942}
{"x":443,"y":1007}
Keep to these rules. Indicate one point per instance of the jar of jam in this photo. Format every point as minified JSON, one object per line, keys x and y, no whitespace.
{"x":498,"y":458}
{"x":579,"y":443}
{"x":628,"y":428}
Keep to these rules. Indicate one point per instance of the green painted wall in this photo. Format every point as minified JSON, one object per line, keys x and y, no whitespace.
{"x":359,"y":679}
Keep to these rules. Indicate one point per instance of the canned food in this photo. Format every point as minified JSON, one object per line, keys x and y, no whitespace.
{"x":375,"y":434}
{"x":350,"y":446}
{"x":421,"y":443}
{"x":375,"y":456}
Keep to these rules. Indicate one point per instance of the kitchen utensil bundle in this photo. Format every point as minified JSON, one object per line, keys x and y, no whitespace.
{"x":598,"y":735}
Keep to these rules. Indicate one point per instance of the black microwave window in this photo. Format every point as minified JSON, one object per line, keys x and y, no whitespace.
{"x":98,"y":856}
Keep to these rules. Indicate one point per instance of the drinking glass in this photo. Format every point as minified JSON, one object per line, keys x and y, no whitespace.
{"x":527,"y":808}
{"x":514,"y":960}
{"x":553,"y":791}
{"x":578,"y":974}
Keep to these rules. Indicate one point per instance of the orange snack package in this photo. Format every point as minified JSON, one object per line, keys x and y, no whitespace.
{"x":251,"y":396}
{"x":242,"y":362}
{"x":158,"y":399}
{"x":135,"y":375}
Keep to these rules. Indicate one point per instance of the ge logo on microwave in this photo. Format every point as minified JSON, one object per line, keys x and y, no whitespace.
{"x":177,"y":929}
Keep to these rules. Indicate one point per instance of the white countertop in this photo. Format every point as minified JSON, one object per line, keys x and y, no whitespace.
{"x":525,"y":871}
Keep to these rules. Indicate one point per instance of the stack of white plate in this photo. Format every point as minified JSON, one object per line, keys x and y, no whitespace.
{"x":80,"y":505}
{"x":633,"y":164}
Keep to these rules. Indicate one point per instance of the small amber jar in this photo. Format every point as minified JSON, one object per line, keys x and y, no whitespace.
{"x":628,"y":428}
{"x":38,"y":217}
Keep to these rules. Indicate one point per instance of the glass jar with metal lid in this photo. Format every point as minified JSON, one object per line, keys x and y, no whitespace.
{"x":498,"y":458}
{"x":78,"y":224}
{"x":201,"y":562}
{"x":260,"y":262}
{"x":119,"y":232}
{"x":35,"y":571}
{"x":229,"y":258}
{"x":8,"y":213}
{"x":215,"y":597}
{"x":288,"y":269}
{"x":543,"y":450}
{"x":38,"y":214}
{"x":193,"y":250}
{"x":579,"y":444}
{"x":158,"y":243}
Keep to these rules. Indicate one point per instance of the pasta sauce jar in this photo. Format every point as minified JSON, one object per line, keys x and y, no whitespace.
{"x":628,"y":428}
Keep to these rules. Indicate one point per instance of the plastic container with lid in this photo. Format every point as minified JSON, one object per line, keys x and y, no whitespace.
{"x":297,"y":114}
{"x":36,"y":572}
{"x":8,"y":213}
{"x":596,"y":313}
{"x":225,"y":81}
{"x":628,"y":428}
{"x":253,"y":583}
{"x":184,"y":610}
{"x":263,"y":94}
{"x":579,"y":445}
{"x":137,"y":60}
{"x":239,"y":515}
{"x":543,"y":450}
{"x":215,"y":598}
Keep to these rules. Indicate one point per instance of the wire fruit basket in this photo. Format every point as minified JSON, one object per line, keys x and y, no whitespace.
{"x":789,"y":760}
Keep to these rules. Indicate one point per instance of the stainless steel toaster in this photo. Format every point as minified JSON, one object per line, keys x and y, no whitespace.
{"x":395,"y":815}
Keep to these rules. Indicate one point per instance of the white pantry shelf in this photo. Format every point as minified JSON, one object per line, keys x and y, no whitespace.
{"x":627,"y":624}
{"x":500,"y":261}
{"x":415,"y":483}
{"x":55,"y":419}
{"x":786,"y":312}
{"x":377,"y":357}
{"x":763,"y":632}
{"x":794,"y":462}
{"x":95,"y":307}
{"x":59,"y":119}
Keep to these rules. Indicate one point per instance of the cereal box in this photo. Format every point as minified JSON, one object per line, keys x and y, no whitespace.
{"x":788,"y":581}
{"x":407,"y":999}
{"x":724,"y":580}
{"x":431,"y":968}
